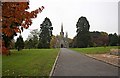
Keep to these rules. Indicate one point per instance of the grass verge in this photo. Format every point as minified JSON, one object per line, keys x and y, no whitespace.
{"x":33,"y":62}
{"x":94,"y":50}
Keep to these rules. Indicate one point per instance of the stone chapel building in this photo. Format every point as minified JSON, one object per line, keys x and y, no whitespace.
{"x":62,"y":41}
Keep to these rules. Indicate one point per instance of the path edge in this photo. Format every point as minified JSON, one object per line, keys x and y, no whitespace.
{"x":54,"y":65}
{"x":97,"y":59}
{"x":102,"y":60}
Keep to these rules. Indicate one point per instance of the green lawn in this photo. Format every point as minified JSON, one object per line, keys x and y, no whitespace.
{"x":0,"y":65}
{"x":33,"y":62}
{"x":94,"y":50}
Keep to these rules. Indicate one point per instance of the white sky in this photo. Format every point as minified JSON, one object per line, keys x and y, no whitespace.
{"x":101,"y":14}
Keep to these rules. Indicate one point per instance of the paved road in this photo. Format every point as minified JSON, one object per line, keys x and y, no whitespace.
{"x":71,"y":63}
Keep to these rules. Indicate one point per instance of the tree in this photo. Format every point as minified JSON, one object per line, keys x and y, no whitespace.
{"x":45,"y":34}
{"x":119,"y":40}
{"x":35,"y":35}
{"x":32,"y":39}
{"x":83,"y":35}
{"x":99,"y":39}
{"x":15,"y":18}
{"x":12,"y":44}
{"x":74,"y":42}
{"x":29,"y":44}
{"x":53,"y":42}
{"x":113,"y":39}
{"x":70,"y":42}
{"x":19,"y":45}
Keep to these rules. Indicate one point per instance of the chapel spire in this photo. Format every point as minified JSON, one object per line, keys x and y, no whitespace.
{"x":62,"y":27}
{"x":62,"y":32}
{"x":66,"y":35}
{"x":63,"y":41}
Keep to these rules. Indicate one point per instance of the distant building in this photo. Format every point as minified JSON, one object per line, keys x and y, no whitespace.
{"x":62,"y":41}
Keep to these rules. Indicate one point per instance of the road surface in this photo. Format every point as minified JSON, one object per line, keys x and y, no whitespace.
{"x":71,"y":63}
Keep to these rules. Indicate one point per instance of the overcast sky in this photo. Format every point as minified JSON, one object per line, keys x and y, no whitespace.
{"x":101,"y":14}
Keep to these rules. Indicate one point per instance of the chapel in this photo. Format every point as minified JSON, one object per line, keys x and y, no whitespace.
{"x":62,"y":41}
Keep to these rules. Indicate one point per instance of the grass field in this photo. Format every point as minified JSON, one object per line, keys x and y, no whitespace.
{"x":0,"y":65}
{"x":33,"y":62}
{"x":94,"y":50}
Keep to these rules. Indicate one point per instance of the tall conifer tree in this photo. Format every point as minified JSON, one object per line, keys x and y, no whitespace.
{"x":83,"y":35}
{"x":45,"y":34}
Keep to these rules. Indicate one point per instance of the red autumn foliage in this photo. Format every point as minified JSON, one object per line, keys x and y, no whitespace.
{"x":15,"y":17}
